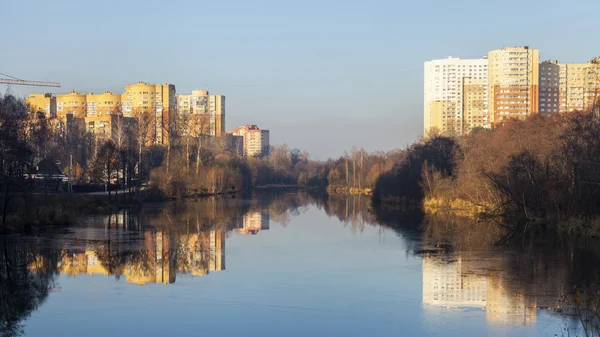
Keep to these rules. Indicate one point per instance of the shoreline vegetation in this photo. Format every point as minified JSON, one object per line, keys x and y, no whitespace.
{"x":527,"y":177}
{"x":531,"y":177}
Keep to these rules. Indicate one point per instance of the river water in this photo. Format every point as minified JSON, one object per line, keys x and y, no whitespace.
{"x":284,"y":265}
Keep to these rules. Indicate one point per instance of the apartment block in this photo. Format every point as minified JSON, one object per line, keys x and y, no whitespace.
{"x":202,"y":113}
{"x":42,"y":102}
{"x":455,"y":101}
{"x":513,"y":83}
{"x":155,"y":102}
{"x":255,"y":141}
{"x":566,"y":87}
{"x":72,"y":103}
{"x":110,"y":126}
{"x":105,"y":103}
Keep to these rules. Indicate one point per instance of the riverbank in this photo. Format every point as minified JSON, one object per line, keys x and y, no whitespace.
{"x":34,"y":212}
{"x":347,"y":190}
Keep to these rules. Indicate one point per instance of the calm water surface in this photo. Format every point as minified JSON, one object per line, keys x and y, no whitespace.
{"x":282,"y":266}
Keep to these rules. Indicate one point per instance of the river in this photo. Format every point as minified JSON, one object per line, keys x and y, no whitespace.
{"x":282,"y":265}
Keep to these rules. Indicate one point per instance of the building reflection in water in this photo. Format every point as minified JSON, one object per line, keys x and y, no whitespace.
{"x":155,"y":256}
{"x":159,"y":260}
{"x":460,"y":282}
{"x":253,"y":222}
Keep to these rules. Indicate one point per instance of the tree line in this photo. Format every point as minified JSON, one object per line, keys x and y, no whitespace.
{"x":535,"y":175}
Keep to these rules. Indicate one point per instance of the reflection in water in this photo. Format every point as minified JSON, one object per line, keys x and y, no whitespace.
{"x":458,"y":282}
{"x":27,"y":275}
{"x":157,"y":244}
{"x":253,"y":222}
{"x":158,"y":260}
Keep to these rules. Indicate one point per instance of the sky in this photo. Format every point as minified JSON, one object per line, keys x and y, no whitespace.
{"x":322,"y":76}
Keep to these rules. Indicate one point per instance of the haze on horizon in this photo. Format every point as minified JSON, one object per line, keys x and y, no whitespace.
{"x":321,"y":75}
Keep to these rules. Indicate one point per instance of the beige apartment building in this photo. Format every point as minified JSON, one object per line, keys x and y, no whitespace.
{"x":202,"y":113}
{"x":513,"y":83}
{"x":455,"y":95}
{"x":156,"y":101}
{"x":105,"y":103}
{"x":72,"y":103}
{"x":255,"y":141}
{"x":42,"y":102}
{"x":566,"y":87}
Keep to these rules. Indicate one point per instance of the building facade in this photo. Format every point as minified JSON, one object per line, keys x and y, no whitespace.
{"x":513,"y":83}
{"x":72,"y":103}
{"x":202,"y":113}
{"x":156,"y":104}
{"x":454,"y":99}
{"x":566,"y":87}
{"x":106,"y":103}
{"x":42,"y":102}
{"x":255,"y":141}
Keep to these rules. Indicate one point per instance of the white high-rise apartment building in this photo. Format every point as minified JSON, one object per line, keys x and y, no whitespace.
{"x":455,"y":95}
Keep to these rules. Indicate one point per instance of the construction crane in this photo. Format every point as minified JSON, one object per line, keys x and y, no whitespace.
{"x":18,"y":81}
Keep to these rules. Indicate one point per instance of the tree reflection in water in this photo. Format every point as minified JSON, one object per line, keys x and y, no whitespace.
{"x":158,"y":243}
{"x":27,"y":275}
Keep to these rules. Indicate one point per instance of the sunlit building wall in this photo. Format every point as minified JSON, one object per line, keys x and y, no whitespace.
{"x":155,"y":102}
{"x":513,"y":83}
{"x":450,"y":85}
{"x":42,"y":102}
{"x":72,"y":103}
{"x":255,"y":142}
{"x":202,"y":113}
{"x":105,"y":103}
{"x":566,"y":87}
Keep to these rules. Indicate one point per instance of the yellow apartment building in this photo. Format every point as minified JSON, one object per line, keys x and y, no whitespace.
{"x":105,"y":103}
{"x":72,"y":103}
{"x":157,"y":102}
{"x":42,"y":102}
{"x":202,"y":113}
{"x":566,"y":87}
{"x":454,"y":101}
{"x":513,"y":83}
{"x":472,"y":102}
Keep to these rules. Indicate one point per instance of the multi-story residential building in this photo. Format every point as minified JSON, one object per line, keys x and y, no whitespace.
{"x":104,"y":114}
{"x":255,"y":141}
{"x":513,"y":83}
{"x":72,"y":103}
{"x":42,"y":102}
{"x":157,"y":103}
{"x":454,"y":101}
{"x":106,"y":103}
{"x":566,"y":87}
{"x":202,"y":113}
{"x":472,"y":102}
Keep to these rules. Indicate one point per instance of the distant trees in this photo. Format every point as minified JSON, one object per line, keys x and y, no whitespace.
{"x":15,"y":153}
{"x":543,"y":169}
{"x":404,"y":180}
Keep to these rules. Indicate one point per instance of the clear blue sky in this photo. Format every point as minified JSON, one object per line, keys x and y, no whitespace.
{"x":321,"y":75}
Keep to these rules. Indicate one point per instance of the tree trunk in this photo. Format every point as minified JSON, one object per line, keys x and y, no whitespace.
{"x":187,"y":151}
{"x":4,"y":206}
{"x":139,"y":170}
{"x":168,"y":155}
{"x":198,"y":156}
